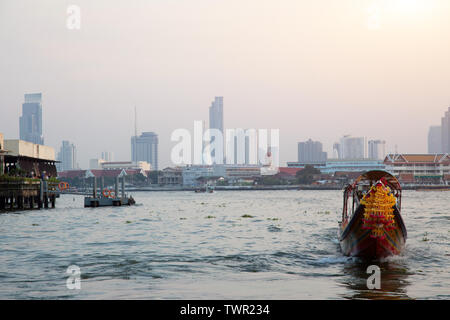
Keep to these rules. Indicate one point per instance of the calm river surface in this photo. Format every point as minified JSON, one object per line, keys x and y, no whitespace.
{"x":225,"y":245}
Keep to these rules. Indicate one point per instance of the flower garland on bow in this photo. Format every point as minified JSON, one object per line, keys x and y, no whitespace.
{"x":379,"y":210}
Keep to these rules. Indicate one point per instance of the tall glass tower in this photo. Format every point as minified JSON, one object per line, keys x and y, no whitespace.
{"x":31,"y":119}
{"x":216,"y":117}
{"x":145,"y":148}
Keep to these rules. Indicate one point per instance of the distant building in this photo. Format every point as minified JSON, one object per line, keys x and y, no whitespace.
{"x":145,"y":148}
{"x":235,"y":173}
{"x":95,"y":163}
{"x":193,"y":174}
{"x":107,"y":156}
{"x":311,"y":152}
{"x":216,"y":118}
{"x":126,"y":165}
{"x":244,"y":152}
{"x":343,"y":165}
{"x":171,"y":176}
{"x":419,"y":168}
{"x":67,"y":156}
{"x":377,"y":149}
{"x":445,"y":127}
{"x":435,"y":139}
{"x":351,"y":148}
{"x":31,"y":119}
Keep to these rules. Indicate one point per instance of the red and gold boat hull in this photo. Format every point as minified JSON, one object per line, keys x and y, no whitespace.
{"x":357,"y":241}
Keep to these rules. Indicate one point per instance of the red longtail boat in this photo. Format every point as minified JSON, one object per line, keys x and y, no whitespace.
{"x":371,"y":225}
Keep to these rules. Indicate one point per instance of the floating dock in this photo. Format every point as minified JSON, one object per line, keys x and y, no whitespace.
{"x":108,"y":198}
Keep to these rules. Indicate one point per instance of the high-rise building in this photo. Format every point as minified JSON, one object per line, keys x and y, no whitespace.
{"x":67,"y":156}
{"x":351,"y":148}
{"x":145,"y":148}
{"x":377,"y":149}
{"x":435,"y":139}
{"x":311,"y":152}
{"x":216,"y":118}
{"x":107,"y":156}
{"x":445,"y":127}
{"x":31,"y":119}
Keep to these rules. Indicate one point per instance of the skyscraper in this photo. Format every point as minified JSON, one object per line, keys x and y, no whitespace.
{"x":351,"y":148}
{"x":377,"y":149}
{"x":67,"y":156}
{"x":445,"y":126}
{"x":311,"y":152}
{"x":145,"y":148}
{"x":435,"y":139}
{"x":216,"y":118}
{"x":31,"y":119}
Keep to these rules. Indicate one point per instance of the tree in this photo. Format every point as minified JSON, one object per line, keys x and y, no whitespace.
{"x":305,"y":175}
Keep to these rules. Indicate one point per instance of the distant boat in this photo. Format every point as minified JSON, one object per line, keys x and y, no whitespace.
{"x":371,"y":225}
{"x":206,"y":188}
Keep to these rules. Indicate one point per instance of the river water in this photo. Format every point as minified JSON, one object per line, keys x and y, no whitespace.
{"x":225,"y":245}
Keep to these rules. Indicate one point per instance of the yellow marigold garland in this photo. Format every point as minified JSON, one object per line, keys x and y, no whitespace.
{"x":379,"y":210}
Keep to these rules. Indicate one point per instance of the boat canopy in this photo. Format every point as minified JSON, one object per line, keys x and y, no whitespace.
{"x":376,"y":175}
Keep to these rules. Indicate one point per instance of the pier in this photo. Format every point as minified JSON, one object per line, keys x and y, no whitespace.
{"x":22,"y":194}
{"x":27,"y":176}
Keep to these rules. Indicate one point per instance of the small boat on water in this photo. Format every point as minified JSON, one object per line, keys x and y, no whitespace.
{"x":207,"y":188}
{"x":371,"y":225}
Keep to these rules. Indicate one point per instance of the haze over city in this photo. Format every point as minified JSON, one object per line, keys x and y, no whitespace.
{"x":313,"y":69}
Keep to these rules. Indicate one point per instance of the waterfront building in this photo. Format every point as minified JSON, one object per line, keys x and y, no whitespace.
{"x":334,"y":165}
{"x":419,"y":168}
{"x":31,"y":120}
{"x":377,"y":149}
{"x":193,"y":174}
{"x":445,"y":127}
{"x":236,"y":173}
{"x":32,"y":159}
{"x":351,"y":148}
{"x":99,"y":173}
{"x":435,"y":139}
{"x":171,"y":176}
{"x":311,"y":152}
{"x":145,"y":148}
{"x":216,"y":118}
{"x":126,"y":165}
{"x":67,"y":157}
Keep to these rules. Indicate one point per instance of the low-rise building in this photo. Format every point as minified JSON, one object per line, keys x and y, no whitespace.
{"x":96,"y":163}
{"x":171,"y":176}
{"x":193,"y":174}
{"x":127,"y":165}
{"x":334,"y":165}
{"x":29,"y":159}
{"x":419,"y":168}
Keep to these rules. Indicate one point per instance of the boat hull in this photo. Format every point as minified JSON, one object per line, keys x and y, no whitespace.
{"x":357,"y":241}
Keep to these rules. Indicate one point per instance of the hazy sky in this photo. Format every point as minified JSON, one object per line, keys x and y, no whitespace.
{"x":313,"y":69}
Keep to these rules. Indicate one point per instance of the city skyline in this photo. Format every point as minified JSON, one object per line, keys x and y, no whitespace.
{"x":322,"y":85}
